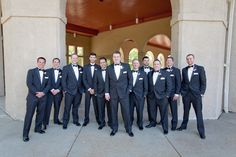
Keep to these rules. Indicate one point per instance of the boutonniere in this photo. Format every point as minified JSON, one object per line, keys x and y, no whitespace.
{"x":79,"y":69}
{"x":121,"y":67}
{"x":138,"y":73}
{"x":168,"y":70}
{"x":44,"y":72}
{"x":95,"y":69}
{"x":194,"y":69}
{"x":159,"y":74}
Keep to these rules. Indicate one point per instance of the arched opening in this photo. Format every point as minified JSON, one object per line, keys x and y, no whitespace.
{"x":151,"y":57}
{"x":133,"y":54}
{"x":128,"y":50}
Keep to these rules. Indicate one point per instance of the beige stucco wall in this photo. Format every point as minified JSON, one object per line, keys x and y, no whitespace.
{"x":232,"y":86}
{"x":107,"y":42}
{"x":202,"y":31}
{"x":31,"y":29}
{"x":1,"y":60}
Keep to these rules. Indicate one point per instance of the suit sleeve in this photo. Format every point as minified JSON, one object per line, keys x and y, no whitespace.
{"x":168,"y":85}
{"x":203,"y":81}
{"x":107,"y":86}
{"x":145,"y":84}
{"x":130,"y":78}
{"x":177,"y":81}
{"x":29,"y":82}
{"x":85,"y":80}
{"x":64,"y":79}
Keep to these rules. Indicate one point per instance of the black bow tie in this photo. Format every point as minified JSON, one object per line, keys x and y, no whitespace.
{"x":146,"y":67}
{"x":156,"y":71}
{"x":103,"y":69}
{"x":74,"y":65}
{"x":168,"y":68}
{"x":135,"y":71}
{"x":41,"y":70}
{"x":116,"y":64}
{"x":91,"y":65}
{"x":190,"y":66}
{"x":56,"y":69}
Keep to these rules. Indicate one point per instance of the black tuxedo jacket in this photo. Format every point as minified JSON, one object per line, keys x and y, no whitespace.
{"x":140,"y":87}
{"x":88,"y":80}
{"x":163,"y":85}
{"x":99,"y":83}
{"x":197,"y":85}
{"x":176,"y":80}
{"x":55,"y":85}
{"x":34,"y":84}
{"x":119,"y":87}
{"x":69,"y":82}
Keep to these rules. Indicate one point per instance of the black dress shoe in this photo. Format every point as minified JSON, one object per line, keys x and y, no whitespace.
{"x":131,"y":134}
{"x":159,"y":123}
{"x":202,"y":136}
{"x":59,"y":123}
{"x":85,"y":124}
{"x":64,"y":127}
{"x":100,"y":127}
{"x":77,"y":124}
{"x":173,"y":128}
{"x":150,"y":125}
{"x":181,"y":128}
{"x":40,"y":131}
{"x":112,"y":133}
{"x":165,"y":132}
{"x":26,"y":139}
{"x":140,"y":127}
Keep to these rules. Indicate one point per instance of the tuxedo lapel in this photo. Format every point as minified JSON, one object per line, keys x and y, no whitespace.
{"x":72,"y":71}
{"x":36,"y":71}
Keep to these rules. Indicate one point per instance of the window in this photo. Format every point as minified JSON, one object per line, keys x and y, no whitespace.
{"x":133,"y":54}
{"x":150,"y":55}
{"x":79,"y":51}
{"x":161,"y":57}
{"x":122,"y":54}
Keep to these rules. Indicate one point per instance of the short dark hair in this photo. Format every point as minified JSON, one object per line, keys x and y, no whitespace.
{"x":102,"y":58}
{"x":56,"y":59}
{"x":145,"y":57}
{"x":74,"y":54}
{"x":116,"y":52}
{"x":93,"y":54}
{"x":157,"y":60}
{"x":170,"y":57}
{"x":190,"y":54}
{"x":41,"y":58}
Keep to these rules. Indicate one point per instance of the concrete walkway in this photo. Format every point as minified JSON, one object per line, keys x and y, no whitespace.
{"x":91,"y":142}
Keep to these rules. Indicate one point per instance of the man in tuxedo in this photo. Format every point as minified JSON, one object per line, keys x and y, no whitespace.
{"x":193,"y":88}
{"x":38,"y":86}
{"x":139,"y":92}
{"x":99,"y":91}
{"x":146,"y":68}
{"x":159,"y":90}
{"x":175,"y":91}
{"x":118,"y":85}
{"x":88,"y":80}
{"x":55,"y":94}
{"x":72,"y":85}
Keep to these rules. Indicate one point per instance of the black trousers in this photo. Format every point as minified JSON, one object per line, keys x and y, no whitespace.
{"x":196,"y":101}
{"x":138,"y":103}
{"x":33,"y":104}
{"x":88,"y":98}
{"x":102,"y":104}
{"x":74,"y":102}
{"x":163,"y":106}
{"x":56,"y":100}
{"x":125,"y":111}
{"x":174,"y":111}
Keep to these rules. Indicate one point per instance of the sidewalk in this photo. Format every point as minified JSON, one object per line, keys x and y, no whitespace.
{"x":91,"y":142}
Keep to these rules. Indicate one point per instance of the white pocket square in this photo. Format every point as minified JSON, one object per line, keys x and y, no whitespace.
{"x":46,"y":77}
{"x":162,"y":78}
{"x":124,"y":72}
{"x":172,"y":75}
{"x":81,"y":72}
{"x":195,"y":73}
{"x":141,"y":78}
{"x":60,"y":76}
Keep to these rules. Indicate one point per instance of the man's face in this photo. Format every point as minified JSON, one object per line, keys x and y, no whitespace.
{"x":136,"y":64}
{"x":74,"y":59}
{"x":156,"y":65}
{"x":116,"y":58}
{"x":146,"y":62}
{"x":190,"y":60}
{"x":169,"y":62}
{"x":41,"y":63}
{"x":56,"y":63}
{"x":103,"y":64}
{"x":92,"y":58}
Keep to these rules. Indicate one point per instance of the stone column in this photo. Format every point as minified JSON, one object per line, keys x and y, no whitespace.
{"x":199,"y":27}
{"x":1,"y":60}
{"x":31,"y":28}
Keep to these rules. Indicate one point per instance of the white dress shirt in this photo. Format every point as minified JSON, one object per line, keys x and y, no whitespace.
{"x":92,"y":69}
{"x":76,"y":72}
{"x":117,"y":70}
{"x":135,"y":75}
{"x":190,"y":72}
{"x":41,"y":76}
{"x":104,"y":75}
{"x":146,"y":69}
{"x":154,"y":77}
{"x":56,"y":73}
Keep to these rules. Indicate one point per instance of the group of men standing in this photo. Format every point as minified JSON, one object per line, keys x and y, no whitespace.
{"x":109,"y":86}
